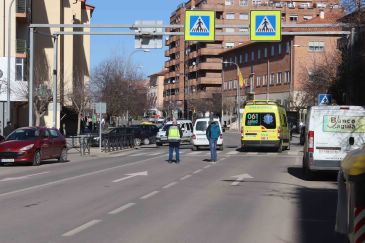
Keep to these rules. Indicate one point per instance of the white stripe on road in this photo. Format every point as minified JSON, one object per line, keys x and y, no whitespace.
{"x":233,"y":152}
{"x":138,"y":154}
{"x":75,"y":177}
{"x":207,"y":166}
{"x":197,"y":171}
{"x":122,"y":208}
{"x":157,"y":153}
{"x":81,"y":228}
{"x":185,"y":177}
{"x":194,"y":153}
{"x":22,"y":177}
{"x":252,"y":153}
{"x":170,"y":185}
{"x":149,"y":195}
{"x":293,"y":153}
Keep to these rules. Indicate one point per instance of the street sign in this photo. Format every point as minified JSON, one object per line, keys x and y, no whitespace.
{"x":265,"y":25}
{"x":152,"y":39}
{"x":100,"y":107}
{"x":324,"y":99}
{"x":199,"y":25}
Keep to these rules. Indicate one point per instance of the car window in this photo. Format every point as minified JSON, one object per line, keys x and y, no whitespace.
{"x":46,"y":133}
{"x":54,"y":133}
{"x":23,"y":134}
{"x":201,"y":126}
{"x":190,"y":126}
{"x":261,"y":119}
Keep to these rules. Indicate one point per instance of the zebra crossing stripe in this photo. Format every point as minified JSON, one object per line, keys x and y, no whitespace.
{"x":138,"y":154}
{"x":157,"y":153}
{"x":233,"y":152}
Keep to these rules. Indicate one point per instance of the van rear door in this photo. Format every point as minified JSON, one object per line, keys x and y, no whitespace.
{"x":260,"y":126}
{"x":337,"y":131}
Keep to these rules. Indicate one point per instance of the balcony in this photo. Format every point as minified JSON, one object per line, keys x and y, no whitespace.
{"x":209,"y":80}
{"x":210,"y":66}
{"x":210,"y":51}
{"x":21,"y":48}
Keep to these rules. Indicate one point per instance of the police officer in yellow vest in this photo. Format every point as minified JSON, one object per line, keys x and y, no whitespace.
{"x":174,"y":135}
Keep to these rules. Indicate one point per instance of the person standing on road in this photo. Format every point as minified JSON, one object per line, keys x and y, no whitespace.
{"x":213,"y":132}
{"x":174,"y":135}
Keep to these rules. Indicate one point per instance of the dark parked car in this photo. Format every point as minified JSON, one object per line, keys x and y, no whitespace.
{"x":144,"y":133}
{"x":32,"y":145}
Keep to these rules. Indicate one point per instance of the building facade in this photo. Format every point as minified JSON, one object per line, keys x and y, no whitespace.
{"x":194,"y":81}
{"x":156,"y":90}
{"x":73,"y":51}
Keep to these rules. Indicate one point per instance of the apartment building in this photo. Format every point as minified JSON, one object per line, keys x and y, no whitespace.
{"x":156,"y":89}
{"x":194,"y":80}
{"x":73,"y":52}
{"x":276,"y":70}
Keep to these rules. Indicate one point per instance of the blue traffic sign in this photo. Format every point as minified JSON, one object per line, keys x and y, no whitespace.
{"x":324,"y":99}
{"x":265,"y":25}
{"x":199,"y":25}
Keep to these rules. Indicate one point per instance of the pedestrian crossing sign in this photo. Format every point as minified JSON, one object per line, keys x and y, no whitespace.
{"x":265,"y":25}
{"x":199,"y":25}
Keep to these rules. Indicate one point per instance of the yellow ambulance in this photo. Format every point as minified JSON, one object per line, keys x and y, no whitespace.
{"x":264,"y":124}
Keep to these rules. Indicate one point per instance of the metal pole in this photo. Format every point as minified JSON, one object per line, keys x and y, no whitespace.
{"x":268,"y":77}
{"x":291,"y":72}
{"x":238,"y":98}
{"x":100,"y":127}
{"x":54,"y":74}
{"x":9,"y":64}
{"x":222,"y":111}
{"x":31,"y":68}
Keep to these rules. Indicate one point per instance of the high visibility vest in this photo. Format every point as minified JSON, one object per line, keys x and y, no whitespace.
{"x":174,"y":133}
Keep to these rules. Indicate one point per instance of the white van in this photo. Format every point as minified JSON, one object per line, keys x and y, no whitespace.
{"x":331,"y":132}
{"x":186,"y":128}
{"x":199,"y":138}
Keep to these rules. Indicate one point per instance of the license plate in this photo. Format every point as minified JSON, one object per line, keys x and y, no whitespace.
{"x":328,"y":151}
{"x":7,"y":160}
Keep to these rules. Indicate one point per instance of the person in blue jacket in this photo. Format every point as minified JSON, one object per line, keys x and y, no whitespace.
{"x":213,"y":132}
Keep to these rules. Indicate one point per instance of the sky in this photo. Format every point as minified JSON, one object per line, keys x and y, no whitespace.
{"x":127,"y":12}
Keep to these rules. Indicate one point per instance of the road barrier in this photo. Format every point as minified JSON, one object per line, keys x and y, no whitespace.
{"x":350,"y":218}
{"x":117,"y":142}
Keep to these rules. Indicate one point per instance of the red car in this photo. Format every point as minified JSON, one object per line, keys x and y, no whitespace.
{"x":32,"y":145}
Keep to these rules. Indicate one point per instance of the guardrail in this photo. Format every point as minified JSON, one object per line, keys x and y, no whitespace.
{"x":117,"y":142}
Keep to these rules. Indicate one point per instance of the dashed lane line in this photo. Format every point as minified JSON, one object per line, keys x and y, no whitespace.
{"x":81,"y":228}
{"x":185,"y":177}
{"x":170,"y":185}
{"x":122,"y":208}
{"x":232,"y":152}
{"x":138,"y":154}
{"x":149,"y":195}
{"x":197,"y":171}
{"x":207,"y":166}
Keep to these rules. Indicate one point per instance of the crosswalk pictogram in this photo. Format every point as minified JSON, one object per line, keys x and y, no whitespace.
{"x":265,"y":26}
{"x":199,"y":26}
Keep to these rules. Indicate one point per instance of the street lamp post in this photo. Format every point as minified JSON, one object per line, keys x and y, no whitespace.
{"x":125,"y":69}
{"x":8,"y":67}
{"x":238,"y":93}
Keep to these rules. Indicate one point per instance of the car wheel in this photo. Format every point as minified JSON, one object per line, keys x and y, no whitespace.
{"x":37,"y":158}
{"x":137,"y":142}
{"x":195,"y":148}
{"x":158,"y":144}
{"x":280,"y":148}
{"x":63,"y":155}
{"x":146,"y":141}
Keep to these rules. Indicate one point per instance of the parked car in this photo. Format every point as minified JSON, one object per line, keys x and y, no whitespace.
{"x":186,"y":127}
{"x":32,"y":145}
{"x":199,"y":137}
{"x":144,"y":133}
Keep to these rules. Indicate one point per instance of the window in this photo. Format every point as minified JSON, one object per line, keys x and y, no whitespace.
{"x":229,"y":15}
{"x":261,"y":119}
{"x":246,"y":57}
{"x":229,"y":84}
{"x":19,"y":69}
{"x":272,"y":50}
{"x":280,"y":77}
{"x":279,"y":48}
{"x":258,"y":81}
{"x":225,"y":85}
{"x":54,"y":133}
{"x":201,"y":126}
{"x":287,"y":76}
{"x":229,"y":29}
{"x":293,"y":18}
{"x":272,"y":78}
{"x":234,"y":84}
{"x":240,"y":58}
{"x":265,"y":52}
{"x":243,"y":2}
{"x":259,"y":54}
{"x":244,"y":29}
{"x":229,"y":2}
{"x":235,"y":59}
{"x":317,"y":46}
{"x":229,"y":44}
{"x":287,"y":47}
{"x":252,"y":56}
{"x":244,"y":16}
{"x":307,"y":17}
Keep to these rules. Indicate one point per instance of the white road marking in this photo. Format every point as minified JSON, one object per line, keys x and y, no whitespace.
{"x":269,"y":154}
{"x":197,"y":171}
{"x":122,"y":208}
{"x":207,"y":166}
{"x":194,"y":153}
{"x":240,"y":178}
{"x":23,"y":177}
{"x":75,"y":177}
{"x":149,"y":195}
{"x":81,"y":228}
{"x":252,"y":153}
{"x":157,"y":153}
{"x":185,"y":177}
{"x":170,"y":185}
{"x":293,"y":153}
{"x":233,"y":152}
{"x":222,"y":159}
{"x":144,"y":173}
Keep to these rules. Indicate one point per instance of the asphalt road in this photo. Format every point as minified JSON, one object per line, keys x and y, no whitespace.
{"x":136,"y":196}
